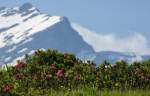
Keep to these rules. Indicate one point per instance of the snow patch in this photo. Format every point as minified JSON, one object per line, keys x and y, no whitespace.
{"x":22,"y":50}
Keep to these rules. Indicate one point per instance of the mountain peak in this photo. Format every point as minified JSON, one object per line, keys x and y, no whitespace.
{"x":64,"y":19}
{"x":2,"y":8}
{"x":26,"y":7}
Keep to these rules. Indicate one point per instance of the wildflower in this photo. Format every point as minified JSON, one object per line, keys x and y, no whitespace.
{"x":7,"y":88}
{"x":78,"y":77}
{"x":20,"y":65}
{"x":61,"y":73}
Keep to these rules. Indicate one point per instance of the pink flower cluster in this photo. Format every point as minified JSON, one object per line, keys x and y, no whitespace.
{"x":7,"y":88}
{"x":20,"y":65}
{"x":60,"y":73}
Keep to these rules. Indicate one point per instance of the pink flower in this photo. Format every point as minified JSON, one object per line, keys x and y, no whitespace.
{"x":61,"y":73}
{"x":20,"y":65}
{"x":78,"y":77}
{"x":7,"y":88}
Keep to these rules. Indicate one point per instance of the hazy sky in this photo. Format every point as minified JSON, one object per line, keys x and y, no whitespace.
{"x":119,"y":17}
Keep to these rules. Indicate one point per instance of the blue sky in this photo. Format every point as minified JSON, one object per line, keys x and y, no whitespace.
{"x":119,"y":17}
{"x":105,"y":16}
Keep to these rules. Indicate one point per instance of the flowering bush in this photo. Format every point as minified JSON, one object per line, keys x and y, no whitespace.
{"x":53,"y":70}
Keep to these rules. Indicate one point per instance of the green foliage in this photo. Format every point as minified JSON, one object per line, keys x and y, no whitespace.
{"x":46,"y":72}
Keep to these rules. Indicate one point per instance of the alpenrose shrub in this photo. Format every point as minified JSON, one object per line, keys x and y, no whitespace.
{"x":46,"y":70}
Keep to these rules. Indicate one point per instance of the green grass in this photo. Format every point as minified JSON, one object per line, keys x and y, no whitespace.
{"x":86,"y":92}
{"x":125,"y":93}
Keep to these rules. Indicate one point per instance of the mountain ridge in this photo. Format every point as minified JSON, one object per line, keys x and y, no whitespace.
{"x":25,"y":29}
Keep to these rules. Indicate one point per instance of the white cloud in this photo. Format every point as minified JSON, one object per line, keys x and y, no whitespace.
{"x":136,"y":43}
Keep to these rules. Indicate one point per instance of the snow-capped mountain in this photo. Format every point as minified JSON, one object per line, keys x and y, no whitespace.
{"x":25,"y":29}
